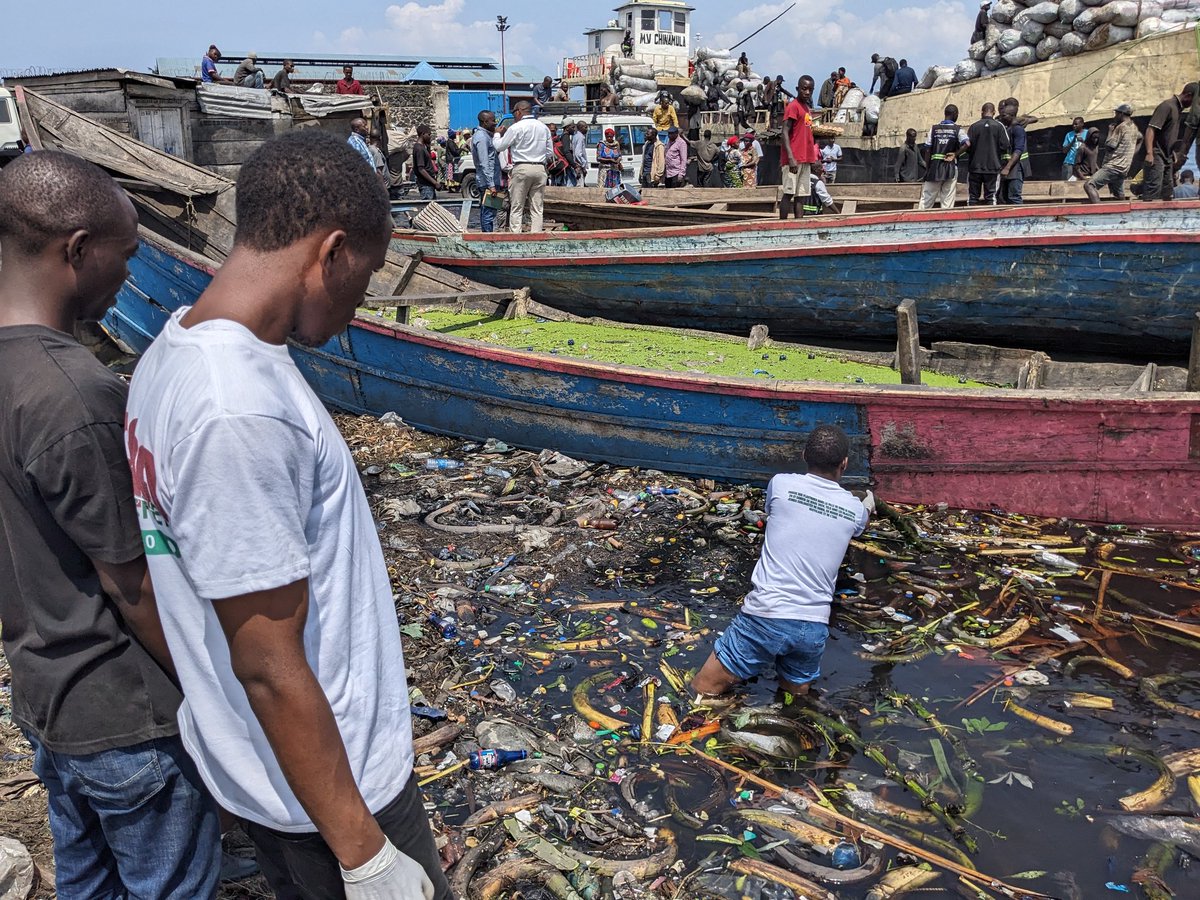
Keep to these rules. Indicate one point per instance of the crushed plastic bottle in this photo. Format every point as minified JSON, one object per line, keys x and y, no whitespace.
{"x":497,"y":473}
{"x":436,"y":464}
{"x":503,"y":690}
{"x":845,"y":856}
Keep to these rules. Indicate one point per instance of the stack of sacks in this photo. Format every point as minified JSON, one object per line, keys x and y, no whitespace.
{"x":634,"y":82}
{"x":720,"y":68}
{"x":1021,"y":32}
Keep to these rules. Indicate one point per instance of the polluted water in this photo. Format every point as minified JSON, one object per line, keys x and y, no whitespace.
{"x":1007,"y":705}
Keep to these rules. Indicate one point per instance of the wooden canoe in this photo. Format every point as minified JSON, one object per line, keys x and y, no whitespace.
{"x":1089,"y":455}
{"x":1120,"y":276}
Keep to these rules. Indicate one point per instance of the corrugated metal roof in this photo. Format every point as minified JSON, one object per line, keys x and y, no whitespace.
{"x":455,"y":71}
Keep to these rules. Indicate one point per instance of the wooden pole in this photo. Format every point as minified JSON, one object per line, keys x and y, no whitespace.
{"x":1193,"y":379}
{"x":908,"y":343}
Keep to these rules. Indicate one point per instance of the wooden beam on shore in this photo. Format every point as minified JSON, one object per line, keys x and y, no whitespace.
{"x":908,"y":342}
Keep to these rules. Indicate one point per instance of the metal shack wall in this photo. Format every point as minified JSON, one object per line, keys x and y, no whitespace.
{"x":465,"y":106}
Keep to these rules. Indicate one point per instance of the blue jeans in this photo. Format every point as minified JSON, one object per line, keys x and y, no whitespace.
{"x":132,"y":822}
{"x":1012,"y":189}
{"x":487,"y":219}
{"x":426,"y":192}
{"x":752,"y":644}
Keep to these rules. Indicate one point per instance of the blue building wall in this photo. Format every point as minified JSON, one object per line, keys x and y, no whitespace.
{"x":465,"y":106}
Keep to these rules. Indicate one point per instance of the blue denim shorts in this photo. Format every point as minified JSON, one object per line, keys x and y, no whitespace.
{"x":752,"y":644}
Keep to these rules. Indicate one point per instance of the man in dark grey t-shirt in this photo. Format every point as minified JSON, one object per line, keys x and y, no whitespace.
{"x":128,"y":812}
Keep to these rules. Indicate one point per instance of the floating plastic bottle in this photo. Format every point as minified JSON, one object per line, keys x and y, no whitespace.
{"x":507,"y":590}
{"x":598,"y":524}
{"x":495,"y":759}
{"x":1046,"y":558}
{"x":438,"y":464}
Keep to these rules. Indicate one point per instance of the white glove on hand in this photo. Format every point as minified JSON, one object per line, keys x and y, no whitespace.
{"x":389,"y":876}
{"x":868,"y":501}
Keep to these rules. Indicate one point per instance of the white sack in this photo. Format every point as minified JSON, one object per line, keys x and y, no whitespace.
{"x":870,"y":108}
{"x":966,"y":70}
{"x":1107,"y":35}
{"x":626,"y":83}
{"x":709,"y":53}
{"x":1042,"y":12}
{"x":1009,"y":40}
{"x":1004,"y":11}
{"x":1022,"y":56}
{"x":1047,"y":47}
{"x":1125,"y":12}
{"x":1072,"y":44}
{"x":1069,"y":9}
{"x":634,"y":69}
{"x":992,"y":60}
{"x":1032,"y":32}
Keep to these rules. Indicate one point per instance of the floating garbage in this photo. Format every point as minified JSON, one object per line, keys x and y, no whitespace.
{"x":989,"y":721}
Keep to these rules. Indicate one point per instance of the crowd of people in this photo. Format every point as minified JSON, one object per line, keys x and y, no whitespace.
{"x":996,"y":151}
{"x":994,"y":148}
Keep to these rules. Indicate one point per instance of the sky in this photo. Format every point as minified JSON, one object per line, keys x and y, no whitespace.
{"x":814,"y":38}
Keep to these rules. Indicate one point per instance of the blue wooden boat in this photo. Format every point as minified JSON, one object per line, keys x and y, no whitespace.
{"x":1092,"y":456}
{"x":1109,"y":276}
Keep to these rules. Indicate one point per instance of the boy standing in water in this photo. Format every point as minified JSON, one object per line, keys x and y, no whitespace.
{"x":784,"y":620}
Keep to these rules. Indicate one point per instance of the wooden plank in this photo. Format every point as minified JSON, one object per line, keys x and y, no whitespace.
{"x":1193,"y":379}
{"x":1145,"y":381}
{"x":593,"y":216}
{"x":1032,"y":373}
{"x":406,"y":274}
{"x":31,"y":134}
{"x":908,"y":342}
{"x":849,"y":207}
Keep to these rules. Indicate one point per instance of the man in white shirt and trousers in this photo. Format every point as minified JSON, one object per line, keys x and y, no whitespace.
{"x":529,"y":145}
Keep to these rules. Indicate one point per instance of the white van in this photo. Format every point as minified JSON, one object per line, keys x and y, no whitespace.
{"x":631,"y":135}
{"x":10,"y":128}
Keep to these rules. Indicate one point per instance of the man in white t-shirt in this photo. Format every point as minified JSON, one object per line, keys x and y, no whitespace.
{"x":271,"y":584}
{"x":831,"y":155}
{"x":784,"y":620}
